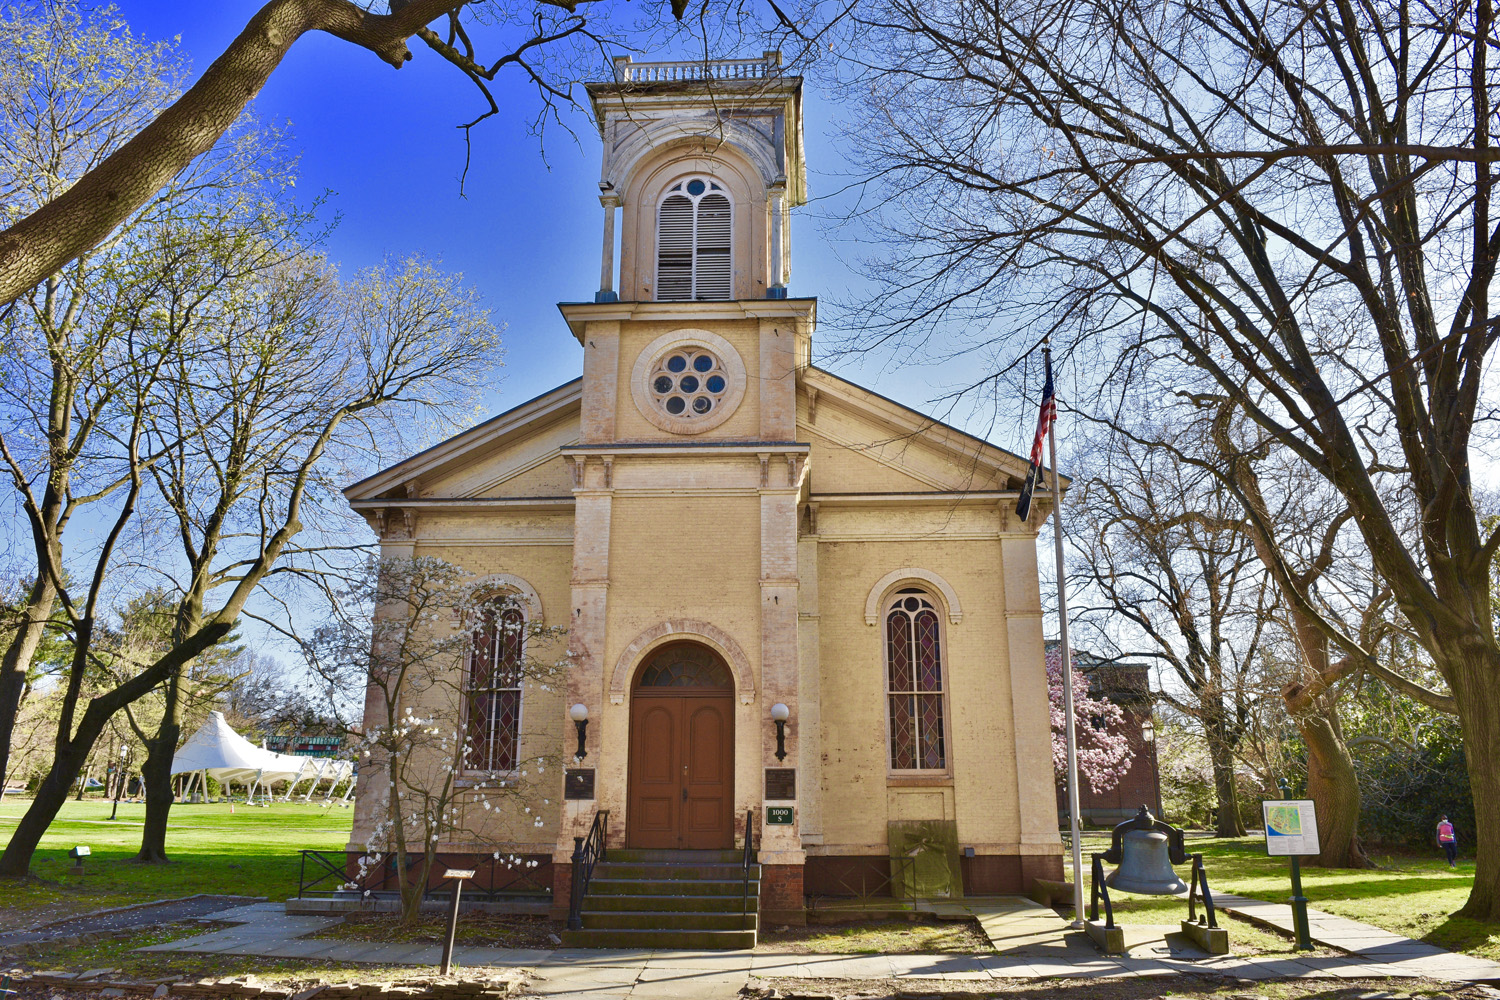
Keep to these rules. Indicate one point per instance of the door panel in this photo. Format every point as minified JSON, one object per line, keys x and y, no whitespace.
{"x":655,"y":772}
{"x":681,"y":771}
{"x":709,"y":755}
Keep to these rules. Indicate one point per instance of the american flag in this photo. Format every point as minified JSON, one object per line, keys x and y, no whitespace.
{"x":1044,"y":422}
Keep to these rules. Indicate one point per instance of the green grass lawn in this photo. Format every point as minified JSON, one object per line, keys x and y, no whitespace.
{"x":250,"y":852}
{"x":1411,"y":895}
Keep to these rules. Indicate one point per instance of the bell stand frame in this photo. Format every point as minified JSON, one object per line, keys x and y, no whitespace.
{"x":1198,"y":878}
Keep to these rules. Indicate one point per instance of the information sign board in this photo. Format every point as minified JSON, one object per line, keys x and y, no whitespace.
{"x":459,"y":873}
{"x":779,"y":816}
{"x":1291,"y":827}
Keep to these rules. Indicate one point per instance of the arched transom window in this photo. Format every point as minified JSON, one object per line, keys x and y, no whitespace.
{"x":685,"y":664}
{"x":692,"y":242}
{"x":914,"y":682}
{"x":494,"y":690}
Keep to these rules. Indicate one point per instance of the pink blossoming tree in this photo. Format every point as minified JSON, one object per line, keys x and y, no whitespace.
{"x":1104,"y":750}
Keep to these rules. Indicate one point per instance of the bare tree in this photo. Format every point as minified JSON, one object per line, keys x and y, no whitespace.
{"x":552,"y":43}
{"x":1286,"y":209}
{"x":1184,"y":590}
{"x":444,"y":664}
{"x":373,"y":355}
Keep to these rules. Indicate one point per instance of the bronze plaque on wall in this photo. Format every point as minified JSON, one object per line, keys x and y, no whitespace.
{"x":579,"y":783}
{"x":781,"y":783}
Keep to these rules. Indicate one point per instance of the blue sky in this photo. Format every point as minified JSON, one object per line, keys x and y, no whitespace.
{"x":384,"y":143}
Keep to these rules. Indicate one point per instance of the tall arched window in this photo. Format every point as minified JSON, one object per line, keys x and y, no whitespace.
{"x":692,"y":242}
{"x":914,"y":682}
{"x":494,"y":690}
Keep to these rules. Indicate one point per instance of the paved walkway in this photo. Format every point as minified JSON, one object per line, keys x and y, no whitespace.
{"x":1029,"y":944}
{"x":1370,"y":943}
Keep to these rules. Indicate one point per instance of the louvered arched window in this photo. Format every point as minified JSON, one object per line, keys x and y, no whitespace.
{"x":914,"y":682}
{"x":692,"y":243}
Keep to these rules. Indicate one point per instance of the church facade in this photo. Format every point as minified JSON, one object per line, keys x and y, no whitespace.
{"x":734,"y":538}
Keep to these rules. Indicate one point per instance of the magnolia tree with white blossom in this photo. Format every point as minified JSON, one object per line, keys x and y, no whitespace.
{"x":1104,"y":750}
{"x":447,"y":662}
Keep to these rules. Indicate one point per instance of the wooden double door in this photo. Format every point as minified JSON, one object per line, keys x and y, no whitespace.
{"x":681,"y":768}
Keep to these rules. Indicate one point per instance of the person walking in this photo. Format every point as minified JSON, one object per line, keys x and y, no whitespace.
{"x":1449,"y":841}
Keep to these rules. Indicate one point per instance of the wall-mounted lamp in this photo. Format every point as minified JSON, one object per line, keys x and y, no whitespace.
{"x":579,"y":713}
{"x":1148,"y":731}
{"x":779,"y":714}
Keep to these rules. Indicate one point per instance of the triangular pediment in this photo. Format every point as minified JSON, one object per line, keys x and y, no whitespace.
{"x":864,"y":443}
{"x":514,"y":454}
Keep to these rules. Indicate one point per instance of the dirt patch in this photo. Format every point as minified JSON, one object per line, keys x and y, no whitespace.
{"x":491,"y":930}
{"x":898,"y":937}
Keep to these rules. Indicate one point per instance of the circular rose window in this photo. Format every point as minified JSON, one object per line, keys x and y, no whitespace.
{"x":688,"y":381}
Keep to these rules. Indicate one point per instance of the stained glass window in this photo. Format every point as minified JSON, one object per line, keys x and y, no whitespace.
{"x":914,"y":683}
{"x":685,"y":664}
{"x":494,"y":691}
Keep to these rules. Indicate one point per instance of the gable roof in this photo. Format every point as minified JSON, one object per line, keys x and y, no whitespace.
{"x":908,"y":422}
{"x":498,"y":430}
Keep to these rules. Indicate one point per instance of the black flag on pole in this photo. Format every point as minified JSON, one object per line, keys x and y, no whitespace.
{"x":1044,"y":423}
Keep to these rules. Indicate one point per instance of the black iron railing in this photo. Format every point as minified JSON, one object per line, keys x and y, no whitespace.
{"x":330,"y":874}
{"x":1101,"y":888}
{"x":868,"y":883}
{"x":1199,"y":877}
{"x":586,"y":853}
{"x":748,"y":858}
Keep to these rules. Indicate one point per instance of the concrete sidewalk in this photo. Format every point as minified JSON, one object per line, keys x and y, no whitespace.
{"x":1031,"y":942}
{"x":1372,"y":944}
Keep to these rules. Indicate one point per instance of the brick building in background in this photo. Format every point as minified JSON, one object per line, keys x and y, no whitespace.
{"x":1127,"y":685}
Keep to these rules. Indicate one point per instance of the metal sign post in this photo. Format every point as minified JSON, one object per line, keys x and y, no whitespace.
{"x":1292,"y":830}
{"x":457,"y":875}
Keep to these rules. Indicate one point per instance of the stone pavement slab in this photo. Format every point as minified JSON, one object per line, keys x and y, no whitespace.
{"x":1379,"y":947}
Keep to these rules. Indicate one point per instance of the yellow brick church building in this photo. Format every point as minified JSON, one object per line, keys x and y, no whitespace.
{"x":732,"y":537}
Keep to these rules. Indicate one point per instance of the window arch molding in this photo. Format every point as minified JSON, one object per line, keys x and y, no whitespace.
{"x":676,"y":630}
{"x":911,"y":576}
{"x":695,"y":223}
{"x":502,"y":582}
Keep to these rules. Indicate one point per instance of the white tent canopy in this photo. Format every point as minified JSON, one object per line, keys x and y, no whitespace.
{"x":225,"y":755}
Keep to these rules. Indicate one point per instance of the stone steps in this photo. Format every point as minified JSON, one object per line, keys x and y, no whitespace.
{"x":669,"y":899}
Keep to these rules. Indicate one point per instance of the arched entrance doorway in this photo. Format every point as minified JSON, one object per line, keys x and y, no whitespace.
{"x":681,"y":751}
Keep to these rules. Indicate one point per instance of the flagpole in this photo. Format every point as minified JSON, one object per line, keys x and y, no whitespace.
{"x":1075,"y":825}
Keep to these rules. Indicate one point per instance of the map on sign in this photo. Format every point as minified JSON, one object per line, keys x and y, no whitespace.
{"x":1291,"y":826}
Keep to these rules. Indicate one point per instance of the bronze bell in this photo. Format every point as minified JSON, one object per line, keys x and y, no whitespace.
{"x":1145,"y":849}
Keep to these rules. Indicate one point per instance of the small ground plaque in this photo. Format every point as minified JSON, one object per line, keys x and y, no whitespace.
{"x":781,"y":783}
{"x":778,"y":815}
{"x":579,"y":783}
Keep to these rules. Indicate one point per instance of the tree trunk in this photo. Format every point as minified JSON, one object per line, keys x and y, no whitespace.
{"x":51,"y":794}
{"x":1334,"y":788}
{"x":156,"y":775}
{"x":106,"y":196}
{"x":1478,"y":695}
{"x":17,"y":661}
{"x":1226,"y":792}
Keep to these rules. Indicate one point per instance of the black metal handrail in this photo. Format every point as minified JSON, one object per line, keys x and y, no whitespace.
{"x":496,"y":878}
{"x":1200,"y":877}
{"x":749,"y":853}
{"x":586,"y":852}
{"x":1101,"y":888}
